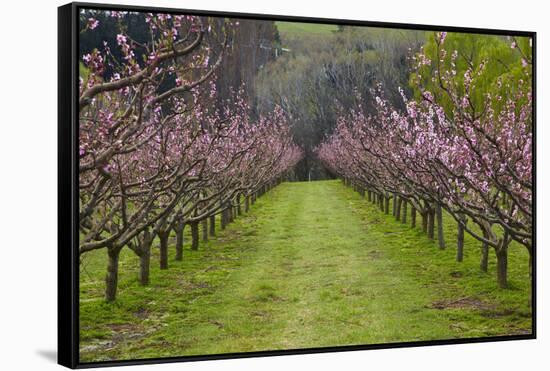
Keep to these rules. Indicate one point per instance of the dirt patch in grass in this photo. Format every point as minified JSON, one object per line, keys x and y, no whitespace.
{"x":374,"y":254}
{"x":463,"y":303}
{"x":499,"y":313}
{"x":189,"y":285}
{"x":122,"y":327}
{"x":97,"y":346}
{"x":485,"y":309}
{"x":121,"y":332}
{"x":142,"y":313}
{"x":260,"y":314}
{"x":218,"y":324}
{"x":198,"y":285}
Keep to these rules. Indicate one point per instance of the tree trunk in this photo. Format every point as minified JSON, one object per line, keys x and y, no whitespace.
{"x":180,"y":226}
{"x":398,"y":208}
{"x":163,"y":237}
{"x":369,"y":195}
{"x":222,"y":219}
{"x":194,"y":236}
{"x":239,"y":210}
{"x":212,"y":225}
{"x":111,"y":279}
{"x":394,"y":204}
{"x":440,"y":236}
{"x":227,"y":217}
{"x":413,"y":216}
{"x":144,"y":264}
{"x":404,"y":213}
{"x":145,"y":257}
{"x":502,"y":265}
{"x":387,"y":204}
{"x":204,"y":227}
{"x":484,"y":263}
{"x":431,"y":223}
{"x":246,"y":204}
{"x":460,"y":243}
{"x":230,"y":213}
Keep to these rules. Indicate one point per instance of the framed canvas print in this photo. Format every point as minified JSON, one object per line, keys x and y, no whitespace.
{"x":237,"y":185}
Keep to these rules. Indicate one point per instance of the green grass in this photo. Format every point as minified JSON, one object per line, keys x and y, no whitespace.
{"x":312,"y":265}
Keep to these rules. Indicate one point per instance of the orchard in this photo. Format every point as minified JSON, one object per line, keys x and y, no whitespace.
{"x":249,"y":185}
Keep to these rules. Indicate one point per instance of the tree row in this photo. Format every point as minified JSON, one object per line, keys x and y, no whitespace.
{"x":159,"y":149}
{"x":464,"y":146}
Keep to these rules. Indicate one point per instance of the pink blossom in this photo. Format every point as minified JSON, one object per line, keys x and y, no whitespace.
{"x":121,"y":39}
{"x":92,"y":23}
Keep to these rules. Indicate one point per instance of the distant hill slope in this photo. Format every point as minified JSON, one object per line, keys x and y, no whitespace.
{"x":303,"y":30}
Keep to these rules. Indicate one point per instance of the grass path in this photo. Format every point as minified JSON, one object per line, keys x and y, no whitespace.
{"x":311,"y":265}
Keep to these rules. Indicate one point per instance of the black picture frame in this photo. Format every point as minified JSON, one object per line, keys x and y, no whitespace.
{"x":68,"y":259}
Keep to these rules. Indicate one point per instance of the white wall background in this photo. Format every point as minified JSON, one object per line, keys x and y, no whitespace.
{"x":28,"y":151}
